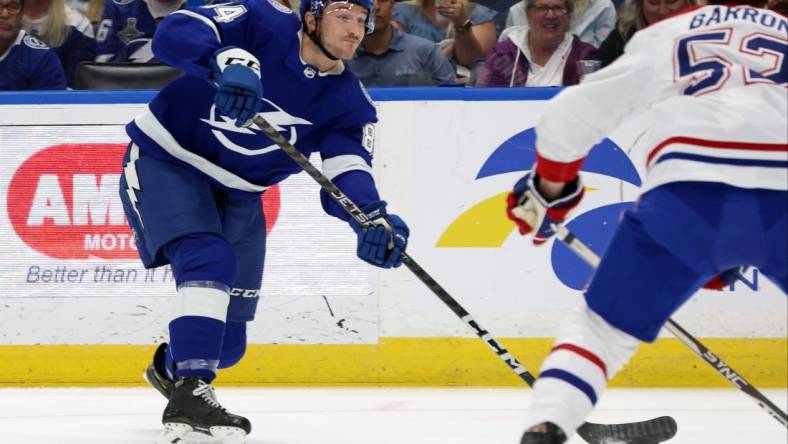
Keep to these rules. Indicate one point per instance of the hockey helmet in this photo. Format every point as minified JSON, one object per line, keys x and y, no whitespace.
{"x":316,"y":7}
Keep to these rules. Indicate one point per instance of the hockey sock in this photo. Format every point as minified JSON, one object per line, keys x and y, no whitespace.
{"x":197,"y":330}
{"x":588,"y":352}
{"x":234,"y":345}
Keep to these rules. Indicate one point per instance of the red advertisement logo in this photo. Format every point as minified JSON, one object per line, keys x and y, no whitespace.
{"x":63,"y":202}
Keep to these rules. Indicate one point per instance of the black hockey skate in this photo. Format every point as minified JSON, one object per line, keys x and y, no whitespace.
{"x":156,"y":375}
{"x":545,"y":433}
{"x":193,"y":408}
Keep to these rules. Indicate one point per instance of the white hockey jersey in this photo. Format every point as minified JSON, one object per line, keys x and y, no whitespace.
{"x":713,"y":81}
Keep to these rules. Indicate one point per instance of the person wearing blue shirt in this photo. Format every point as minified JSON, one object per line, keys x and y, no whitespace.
{"x":388,"y":57}
{"x":26,"y":63}
{"x":195,"y":169}
{"x":127,"y":26}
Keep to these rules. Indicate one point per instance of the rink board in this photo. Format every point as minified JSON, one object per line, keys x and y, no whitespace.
{"x":395,"y":361}
{"x":71,"y":285}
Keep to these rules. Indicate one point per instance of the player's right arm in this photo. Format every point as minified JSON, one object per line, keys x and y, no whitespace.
{"x":576,"y":120}
{"x":582,"y":116}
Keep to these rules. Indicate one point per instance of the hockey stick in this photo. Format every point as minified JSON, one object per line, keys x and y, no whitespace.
{"x":704,"y":353}
{"x":645,"y":432}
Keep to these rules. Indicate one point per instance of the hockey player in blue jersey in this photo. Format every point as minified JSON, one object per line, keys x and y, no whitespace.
{"x":712,"y":80}
{"x":126,"y":29}
{"x":195,"y":170}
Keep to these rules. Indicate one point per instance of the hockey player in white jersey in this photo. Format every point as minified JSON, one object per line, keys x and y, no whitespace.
{"x":712,"y":82}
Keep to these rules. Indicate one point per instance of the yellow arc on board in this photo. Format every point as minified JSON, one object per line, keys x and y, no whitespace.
{"x":483,"y":225}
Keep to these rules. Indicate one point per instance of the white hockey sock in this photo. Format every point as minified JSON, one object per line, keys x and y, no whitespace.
{"x":587,"y":353}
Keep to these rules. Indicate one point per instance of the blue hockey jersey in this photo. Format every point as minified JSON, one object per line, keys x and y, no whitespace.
{"x":127,"y":27}
{"x":29,"y":64}
{"x":325,"y":112}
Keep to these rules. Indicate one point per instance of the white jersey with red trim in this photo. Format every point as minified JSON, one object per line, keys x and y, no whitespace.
{"x":713,"y":82}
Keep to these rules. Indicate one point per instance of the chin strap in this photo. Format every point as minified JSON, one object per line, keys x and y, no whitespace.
{"x":315,"y":38}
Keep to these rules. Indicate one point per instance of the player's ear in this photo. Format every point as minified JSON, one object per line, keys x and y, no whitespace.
{"x":310,"y":23}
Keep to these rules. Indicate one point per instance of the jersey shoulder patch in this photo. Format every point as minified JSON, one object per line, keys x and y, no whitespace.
{"x":34,"y":43}
{"x":369,"y":138}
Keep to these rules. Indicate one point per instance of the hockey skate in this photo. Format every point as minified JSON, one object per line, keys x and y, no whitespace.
{"x":545,"y":433}
{"x":156,"y":375}
{"x":193,"y":416}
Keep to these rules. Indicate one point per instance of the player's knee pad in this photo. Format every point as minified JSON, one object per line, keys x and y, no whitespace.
{"x":234,"y":345}
{"x":202,"y":257}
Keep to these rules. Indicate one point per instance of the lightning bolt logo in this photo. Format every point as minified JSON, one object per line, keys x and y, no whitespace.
{"x":279,"y":119}
{"x":132,"y":180}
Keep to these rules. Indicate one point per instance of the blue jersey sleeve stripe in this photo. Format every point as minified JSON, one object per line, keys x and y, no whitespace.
{"x":203,"y":19}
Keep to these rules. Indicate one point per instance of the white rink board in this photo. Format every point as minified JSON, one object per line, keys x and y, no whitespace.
{"x":428,"y":155}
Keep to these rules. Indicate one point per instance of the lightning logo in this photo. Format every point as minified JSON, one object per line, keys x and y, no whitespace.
{"x":279,"y":119}
{"x":133,"y":181}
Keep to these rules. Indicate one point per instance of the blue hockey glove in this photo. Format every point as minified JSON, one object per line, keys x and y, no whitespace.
{"x":380,"y":245}
{"x":239,"y":93}
{"x":532,"y":212}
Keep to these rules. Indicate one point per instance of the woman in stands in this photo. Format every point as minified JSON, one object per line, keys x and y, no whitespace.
{"x":64,"y":29}
{"x":544,"y":53}
{"x":592,"y":20}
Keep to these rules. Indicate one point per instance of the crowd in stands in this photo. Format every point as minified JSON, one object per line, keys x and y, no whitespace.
{"x":488,"y":43}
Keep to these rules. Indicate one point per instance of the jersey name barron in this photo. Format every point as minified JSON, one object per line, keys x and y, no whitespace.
{"x":710,"y":82}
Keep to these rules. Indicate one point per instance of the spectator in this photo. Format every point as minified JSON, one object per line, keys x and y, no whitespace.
{"x":544,"y":53}
{"x":26,"y":63}
{"x":501,"y":8}
{"x":464,"y":30}
{"x":592,"y":20}
{"x":127,"y":27}
{"x":635,"y":15}
{"x":389,"y":57}
{"x":64,"y":29}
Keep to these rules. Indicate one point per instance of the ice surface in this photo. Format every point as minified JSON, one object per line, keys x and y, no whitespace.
{"x":372,"y":415}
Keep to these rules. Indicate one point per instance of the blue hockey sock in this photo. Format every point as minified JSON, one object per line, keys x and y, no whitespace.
{"x":197,"y":333}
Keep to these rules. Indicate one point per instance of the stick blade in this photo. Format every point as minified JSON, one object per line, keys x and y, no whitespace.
{"x":652,"y":431}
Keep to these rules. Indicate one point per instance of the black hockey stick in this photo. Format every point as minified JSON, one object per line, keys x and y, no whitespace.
{"x":592,"y":259}
{"x":646,"y":432}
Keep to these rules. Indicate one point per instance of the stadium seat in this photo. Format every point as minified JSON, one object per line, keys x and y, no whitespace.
{"x":95,"y":75}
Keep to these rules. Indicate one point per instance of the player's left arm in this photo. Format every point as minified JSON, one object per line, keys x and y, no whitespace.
{"x":347,"y":161}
